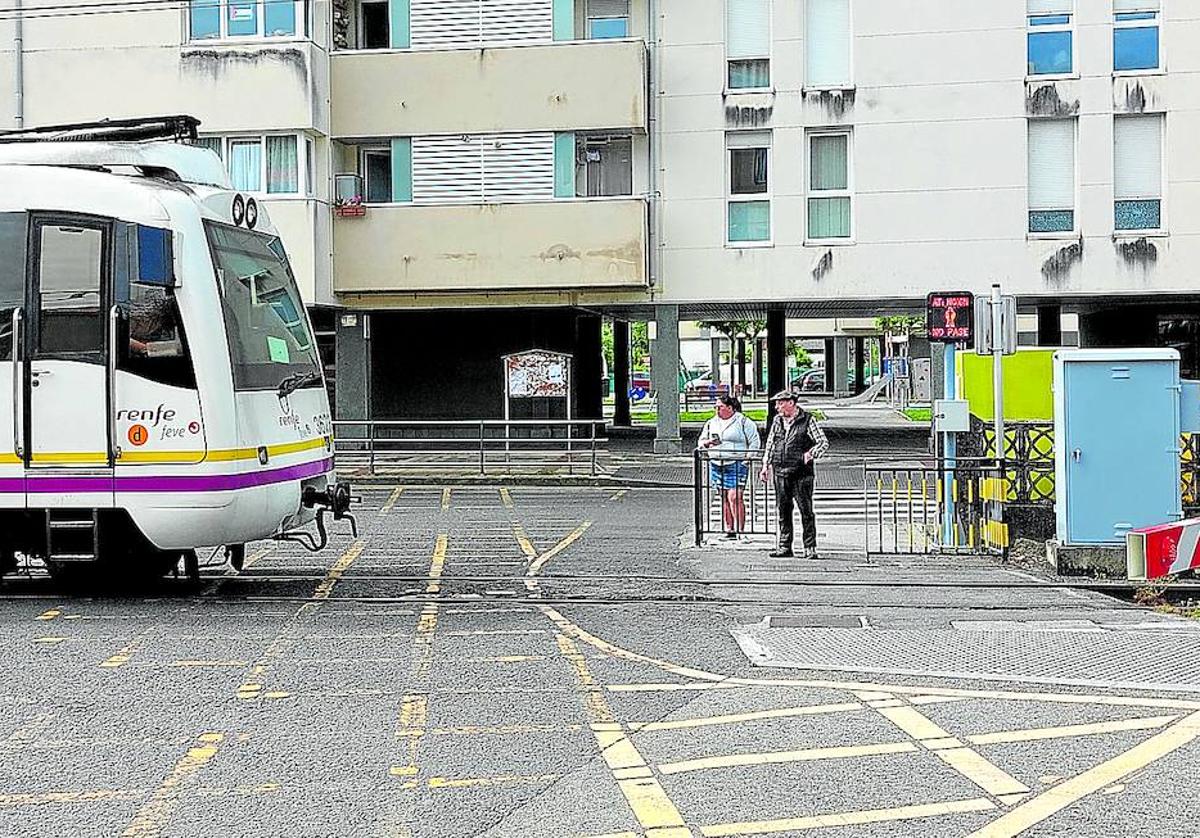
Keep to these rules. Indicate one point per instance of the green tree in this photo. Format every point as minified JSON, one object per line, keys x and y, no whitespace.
{"x":803,"y":359}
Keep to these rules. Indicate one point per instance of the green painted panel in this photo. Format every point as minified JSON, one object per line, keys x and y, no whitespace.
{"x":399,"y":24}
{"x":402,"y":170}
{"x":564,"y":20}
{"x":564,"y":165}
{"x":1028,"y":378}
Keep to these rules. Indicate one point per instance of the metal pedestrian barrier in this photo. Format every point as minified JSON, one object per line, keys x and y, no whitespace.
{"x":906,"y":506}
{"x":483,"y":446}
{"x":710,"y":500}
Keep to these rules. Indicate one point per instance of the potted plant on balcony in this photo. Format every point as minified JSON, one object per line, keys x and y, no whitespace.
{"x":349,"y":207}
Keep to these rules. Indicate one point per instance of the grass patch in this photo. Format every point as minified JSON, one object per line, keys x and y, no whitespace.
{"x":919,"y":414}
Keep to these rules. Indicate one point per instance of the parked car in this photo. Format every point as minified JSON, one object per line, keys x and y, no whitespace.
{"x":812,"y":381}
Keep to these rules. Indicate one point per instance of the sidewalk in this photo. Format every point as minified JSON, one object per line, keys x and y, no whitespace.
{"x":946,"y":617}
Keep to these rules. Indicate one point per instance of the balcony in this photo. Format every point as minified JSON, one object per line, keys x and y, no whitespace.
{"x":587,"y":244}
{"x":570,"y":86}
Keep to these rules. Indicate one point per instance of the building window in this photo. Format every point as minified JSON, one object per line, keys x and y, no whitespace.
{"x":749,"y":204}
{"x":603,"y":166}
{"x":1051,"y":39}
{"x":269,"y":164}
{"x":214,"y":19}
{"x":1135,"y":35}
{"x":607,"y":19}
{"x":829,"y":186}
{"x":377,"y":175}
{"x":748,"y":44}
{"x":1051,"y":175}
{"x":827,"y":44}
{"x":1138,"y":172}
{"x":374,"y":25}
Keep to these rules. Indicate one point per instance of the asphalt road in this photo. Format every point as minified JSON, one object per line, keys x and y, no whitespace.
{"x":533,"y":662}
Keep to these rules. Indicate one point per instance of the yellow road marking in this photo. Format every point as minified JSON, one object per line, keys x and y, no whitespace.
{"x":782,"y":757}
{"x":970,"y":764}
{"x":541,"y":560}
{"x":325,"y":588}
{"x":1105,"y":774}
{"x":618,"y":495}
{"x":912,"y":722}
{"x":155,"y":813}
{"x":506,"y":498}
{"x":46,"y":616}
{"x":523,"y":541}
{"x":981,"y":772}
{"x":490,"y":782}
{"x":89,"y":796}
{"x":737,"y":718}
{"x":502,"y":730}
{"x":445,"y":498}
{"x":414,"y":708}
{"x":1066,"y":731}
{"x":645,"y":795}
{"x":123,"y":656}
{"x":844,"y":819}
{"x":391,"y":501}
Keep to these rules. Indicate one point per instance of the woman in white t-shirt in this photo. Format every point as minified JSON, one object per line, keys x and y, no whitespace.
{"x":730,"y":431}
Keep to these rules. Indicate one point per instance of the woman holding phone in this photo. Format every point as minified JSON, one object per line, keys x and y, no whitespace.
{"x":730,"y":431}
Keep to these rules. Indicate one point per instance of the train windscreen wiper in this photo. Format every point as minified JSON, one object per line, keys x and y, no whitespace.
{"x":296,"y":380}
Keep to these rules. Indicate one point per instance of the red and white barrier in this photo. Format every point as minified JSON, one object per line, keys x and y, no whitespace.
{"x":1156,"y":552}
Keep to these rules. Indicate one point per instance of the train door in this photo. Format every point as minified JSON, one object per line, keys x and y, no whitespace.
{"x":68,"y":443}
{"x":14,"y":232}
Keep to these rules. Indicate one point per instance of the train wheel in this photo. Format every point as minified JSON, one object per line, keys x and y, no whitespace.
{"x":8,"y":562}
{"x":191,"y":566}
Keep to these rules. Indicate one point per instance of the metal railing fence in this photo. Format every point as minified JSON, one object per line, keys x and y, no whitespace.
{"x":483,"y":446}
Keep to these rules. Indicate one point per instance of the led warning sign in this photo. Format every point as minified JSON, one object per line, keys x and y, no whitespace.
{"x":949,"y":316}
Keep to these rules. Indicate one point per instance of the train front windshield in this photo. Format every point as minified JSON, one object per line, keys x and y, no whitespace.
{"x":269,"y":338}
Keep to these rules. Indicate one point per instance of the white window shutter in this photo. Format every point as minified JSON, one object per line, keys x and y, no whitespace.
{"x":1051,"y":164}
{"x":518,"y":21}
{"x":1137,"y":157}
{"x":444,"y":24}
{"x":518,"y":166}
{"x":1120,"y":6}
{"x":447,"y":169}
{"x":1045,"y":7}
{"x":748,"y":28}
{"x":827,"y":43}
{"x":608,"y":8}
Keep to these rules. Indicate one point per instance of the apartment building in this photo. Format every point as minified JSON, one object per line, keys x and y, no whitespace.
{"x":527,"y":167}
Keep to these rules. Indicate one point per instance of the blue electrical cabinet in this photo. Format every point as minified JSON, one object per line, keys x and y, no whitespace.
{"x":1117,"y":435}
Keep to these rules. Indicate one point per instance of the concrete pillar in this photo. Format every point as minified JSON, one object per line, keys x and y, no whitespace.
{"x":1049,"y":329}
{"x":776,"y":356}
{"x":664,"y":366}
{"x":740,"y":343}
{"x":353,"y":370}
{"x":759,"y":364}
{"x":715,"y":347}
{"x":841,"y":367}
{"x":860,"y":364}
{"x":621,"y":373}
{"x":829,"y":352}
{"x":589,"y":367}
{"x":937,"y":370}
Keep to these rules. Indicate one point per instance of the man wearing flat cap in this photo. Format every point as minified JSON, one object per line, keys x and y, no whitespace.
{"x":794,"y":443}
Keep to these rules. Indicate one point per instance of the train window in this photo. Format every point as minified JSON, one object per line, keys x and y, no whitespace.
{"x":70,"y":263}
{"x":158,"y":349}
{"x":265,"y":321}
{"x":12,"y":275}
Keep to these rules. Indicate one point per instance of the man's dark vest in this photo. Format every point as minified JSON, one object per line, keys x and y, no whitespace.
{"x":787,"y":455}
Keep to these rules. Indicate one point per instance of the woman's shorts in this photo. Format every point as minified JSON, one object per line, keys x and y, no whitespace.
{"x":731,"y":475}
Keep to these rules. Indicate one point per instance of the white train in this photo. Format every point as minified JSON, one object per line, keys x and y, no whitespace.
{"x":164,"y":387}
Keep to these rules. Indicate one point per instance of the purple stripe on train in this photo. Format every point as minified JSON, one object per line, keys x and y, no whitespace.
{"x":165,"y":483}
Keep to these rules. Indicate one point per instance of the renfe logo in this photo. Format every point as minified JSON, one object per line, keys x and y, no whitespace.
{"x":161,"y":414}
